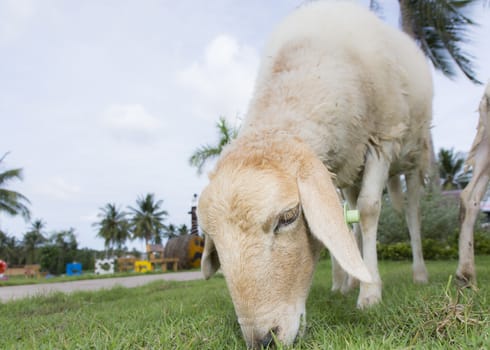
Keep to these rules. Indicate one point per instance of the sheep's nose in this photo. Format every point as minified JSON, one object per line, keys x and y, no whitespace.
{"x":267,"y":342}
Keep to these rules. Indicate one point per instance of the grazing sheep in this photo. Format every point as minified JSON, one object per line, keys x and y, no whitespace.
{"x":479,"y":160}
{"x":340,"y":90}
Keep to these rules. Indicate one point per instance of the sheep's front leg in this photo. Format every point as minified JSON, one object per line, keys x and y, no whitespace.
{"x":470,"y":201}
{"x":369,"y":205}
{"x":349,"y":282}
{"x":412,"y":215}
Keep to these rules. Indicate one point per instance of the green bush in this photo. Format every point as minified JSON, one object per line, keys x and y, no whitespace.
{"x":394,"y":251}
{"x":437,"y":250}
{"x":439,"y":219}
{"x":432,"y":250}
{"x":440,"y":230}
{"x":482,"y":242}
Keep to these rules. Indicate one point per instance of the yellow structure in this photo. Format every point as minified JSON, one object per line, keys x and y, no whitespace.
{"x":142,"y":266}
{"x":195,"y":249}
{"x":156,"y":257}
{"x":187,"y":248}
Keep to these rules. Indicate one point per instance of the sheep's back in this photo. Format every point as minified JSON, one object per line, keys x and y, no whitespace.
{"x":345,"y":82}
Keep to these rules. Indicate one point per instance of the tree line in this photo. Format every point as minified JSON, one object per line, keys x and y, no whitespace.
{"x":53,"y":251}
{"x":146,"y":221}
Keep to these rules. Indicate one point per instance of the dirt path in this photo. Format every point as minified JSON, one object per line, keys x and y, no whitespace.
{"x":17,"y":292}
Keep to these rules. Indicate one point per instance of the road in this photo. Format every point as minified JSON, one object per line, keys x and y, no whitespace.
{"x":17,"y":292}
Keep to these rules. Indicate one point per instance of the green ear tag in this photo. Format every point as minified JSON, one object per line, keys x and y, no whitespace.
{"x":350,"y":216}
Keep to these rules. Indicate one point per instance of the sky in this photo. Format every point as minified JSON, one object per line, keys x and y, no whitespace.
{"x":105,"y":101}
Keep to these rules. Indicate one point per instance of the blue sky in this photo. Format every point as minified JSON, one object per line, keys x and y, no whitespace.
{"x":103,"y":101}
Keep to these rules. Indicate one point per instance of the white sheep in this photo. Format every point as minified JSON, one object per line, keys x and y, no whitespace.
{"x":340,"y":90}
{"x":479,"y":160}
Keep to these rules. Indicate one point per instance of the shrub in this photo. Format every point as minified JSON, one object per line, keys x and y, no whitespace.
{"x":439,"y":225}
{"x":394,"y":251}
{"x":439,"y":219}
{"x":482,"y":242}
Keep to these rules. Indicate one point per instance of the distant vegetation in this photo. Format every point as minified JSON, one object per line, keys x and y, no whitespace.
{"x":54,"y":250}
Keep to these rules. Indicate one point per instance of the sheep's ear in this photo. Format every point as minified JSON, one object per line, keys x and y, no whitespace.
{"x":210,"y":261}
{"x":325,"y":217}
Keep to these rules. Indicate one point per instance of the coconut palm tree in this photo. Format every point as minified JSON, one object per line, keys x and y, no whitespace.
{"x":183,"y":230}
{"x":11,"y":202}
{"x":170,"y":231}
{"x":33,"y":239}
{"x":450,"y":166}
{"x":440,"y":27}
{"x":208,"y":152}
{"x":147,"y":220}
{"x":113,"y":226}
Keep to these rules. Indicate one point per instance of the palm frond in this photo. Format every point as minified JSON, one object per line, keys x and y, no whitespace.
{"x":4,"y":155}
{"x":450,"y":167}
{"x":14,"y":203}
{"x":208,"y":152}
{"x":202,"y":155}
{"x":441,"y":28}
{"x":8,"y":175}
{"x":11,"y":202}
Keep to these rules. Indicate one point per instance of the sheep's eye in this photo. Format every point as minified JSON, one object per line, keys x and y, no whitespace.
{"x":287,"y":217}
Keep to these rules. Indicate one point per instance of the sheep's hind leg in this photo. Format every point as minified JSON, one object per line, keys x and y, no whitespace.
{"x":412,"y":215}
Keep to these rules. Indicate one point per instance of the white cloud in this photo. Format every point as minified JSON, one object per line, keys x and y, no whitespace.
{"x":14,"y":18}
{"x":58,"y":188}
{"x":221,"y":83}
{"x":131,"y":122}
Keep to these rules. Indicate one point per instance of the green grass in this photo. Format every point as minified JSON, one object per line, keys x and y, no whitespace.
{"x":199,"y":315}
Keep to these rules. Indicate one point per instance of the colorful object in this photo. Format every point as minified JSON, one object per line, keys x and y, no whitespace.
{"x":142,"y":266}
{"x":187,"y":248}
{"x":350,"y":216}
{"x":3,"y":267}
{"x":104,"y":266}
{"x":74,"y":269}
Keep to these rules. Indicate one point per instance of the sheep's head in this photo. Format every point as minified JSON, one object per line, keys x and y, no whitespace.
{"x":269,"y":208}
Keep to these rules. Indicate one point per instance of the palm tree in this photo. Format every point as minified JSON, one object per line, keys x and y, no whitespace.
{"x":183,"y":230}
{"x":171,"y":231}
{"x":33,"y":239}
{"x":113,"y":226}
{"x":208,"y":152}
{"x":450,"y":166}
{"x":11,"y":202}
{"x":147,"y":220}
{"x":440,"y":27}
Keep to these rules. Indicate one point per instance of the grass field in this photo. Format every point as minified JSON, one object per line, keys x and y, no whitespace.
{"x":199,"y":315}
